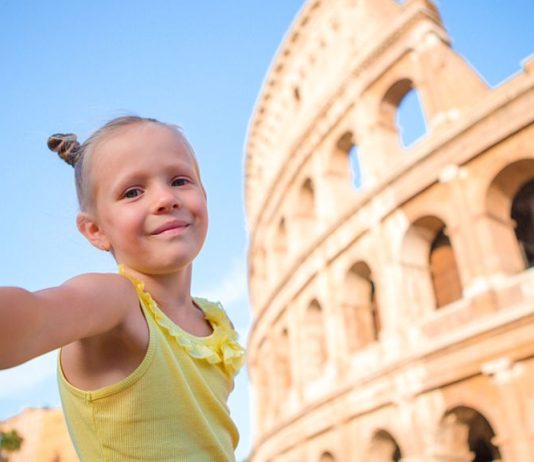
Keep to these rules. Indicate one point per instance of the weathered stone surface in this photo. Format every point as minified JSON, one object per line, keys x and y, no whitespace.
{"x":393,"y":320}
{"x":45,"y":436}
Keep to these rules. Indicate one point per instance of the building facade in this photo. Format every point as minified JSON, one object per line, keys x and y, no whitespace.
{"x":394,"y":318}
{"x":44,"y":436}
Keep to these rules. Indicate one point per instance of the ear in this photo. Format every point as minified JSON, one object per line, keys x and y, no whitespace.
{"x":88,"y":226}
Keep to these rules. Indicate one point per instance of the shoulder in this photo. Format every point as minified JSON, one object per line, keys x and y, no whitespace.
{"x":102,"y":285}
{"x":113,"y":336}
{"x":215,"y":312}
{"x":109,"y":294}
{"x":110,"y":281}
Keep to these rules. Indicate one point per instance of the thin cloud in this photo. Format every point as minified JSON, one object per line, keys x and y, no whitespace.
{"x":28,"y":375}
{"x":232,"y":288}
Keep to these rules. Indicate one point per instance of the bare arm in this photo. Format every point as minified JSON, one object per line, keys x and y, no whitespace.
{"x":33,"y":323}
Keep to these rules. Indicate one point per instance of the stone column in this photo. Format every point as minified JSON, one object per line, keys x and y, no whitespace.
{"x":518,"y":443}
{"x":465,"y":245}
{"x":452,"y":442}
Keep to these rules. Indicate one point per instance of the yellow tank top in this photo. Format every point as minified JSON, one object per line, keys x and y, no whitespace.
{"x":172,"y":407}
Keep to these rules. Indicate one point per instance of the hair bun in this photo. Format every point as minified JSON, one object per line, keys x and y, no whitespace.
{"x":66,"y":145}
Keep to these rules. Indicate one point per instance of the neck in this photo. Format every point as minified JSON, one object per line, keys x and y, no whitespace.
{"x":171,"y":291}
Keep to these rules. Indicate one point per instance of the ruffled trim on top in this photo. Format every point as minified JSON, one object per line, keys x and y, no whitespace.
{"x":221,"y":346}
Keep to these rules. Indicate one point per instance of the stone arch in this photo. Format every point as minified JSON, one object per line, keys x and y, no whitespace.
{"x":383,"y":448}
{"x":305,"y":212}
{"x":282,"y":369}
{"x":464,"y":434}
{"x":345,"y":160}
{"x":389,"y":106}
{"x":410,"y":118}
{"x":339,"y":162}
{"x":391,"y":100}
{"x":314,"y":353}
{"x":327,"y":456}
{"x":429,"y":265}
{"x":523,"y":216}
{"x":444,"y":270}
{"x":280,"y":243}
{"x":307,"y":196}
{"x":296,"y":94}
{"x":360,"y":307}
{"x":341,"y":169}
{"x":509,"y":213}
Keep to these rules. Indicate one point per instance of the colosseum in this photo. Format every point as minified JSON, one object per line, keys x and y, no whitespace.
{"x":392,"y":285}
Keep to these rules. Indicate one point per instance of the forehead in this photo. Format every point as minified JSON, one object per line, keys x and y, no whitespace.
{"x":147,"y":141}
{"x":141,"y":137}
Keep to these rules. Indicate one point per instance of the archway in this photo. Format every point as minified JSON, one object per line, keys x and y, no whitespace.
{"x":314,"y":342}
{"x":383,"y":448}
{"x":360,"y":307}
{"x":509,"y":215}
{"x":466,"y":435}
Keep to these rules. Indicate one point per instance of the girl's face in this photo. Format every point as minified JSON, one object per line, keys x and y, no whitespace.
{"x":149,"y":204}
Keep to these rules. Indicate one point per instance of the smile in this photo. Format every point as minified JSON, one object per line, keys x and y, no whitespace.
{"x":171,"y":228}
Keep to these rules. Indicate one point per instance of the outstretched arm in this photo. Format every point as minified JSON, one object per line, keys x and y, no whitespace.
{"x":33,"y":323}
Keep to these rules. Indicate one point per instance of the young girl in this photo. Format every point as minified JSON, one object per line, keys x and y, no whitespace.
{"x":144,"y":369}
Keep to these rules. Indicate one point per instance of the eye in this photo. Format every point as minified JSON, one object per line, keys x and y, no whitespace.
{"x":132,"y":193}
{"x":179,"y":181}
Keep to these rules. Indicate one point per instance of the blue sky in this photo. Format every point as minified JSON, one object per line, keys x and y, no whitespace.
{"x":71,"y":66}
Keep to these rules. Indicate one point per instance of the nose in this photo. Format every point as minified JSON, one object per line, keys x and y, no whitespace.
{"x":165,"y":199}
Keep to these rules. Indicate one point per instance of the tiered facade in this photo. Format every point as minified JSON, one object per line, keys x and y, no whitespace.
{"x":393,"y":320}
{"x":44,"y":436}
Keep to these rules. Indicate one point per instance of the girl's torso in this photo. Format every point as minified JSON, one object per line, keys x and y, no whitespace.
{"x":155,"y":374}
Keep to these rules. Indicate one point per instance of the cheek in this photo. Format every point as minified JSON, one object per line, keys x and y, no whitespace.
{"x":204,"y":213}
{"x":122,"y":222}
{"x":199,"y":206}
{"x":201,"y":211}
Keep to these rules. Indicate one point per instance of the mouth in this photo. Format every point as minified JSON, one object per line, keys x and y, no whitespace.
{"x":171,"y":227}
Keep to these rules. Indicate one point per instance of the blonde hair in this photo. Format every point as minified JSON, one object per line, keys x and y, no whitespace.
{"x":79,"y":155}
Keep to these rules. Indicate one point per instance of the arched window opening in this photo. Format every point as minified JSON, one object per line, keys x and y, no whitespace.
{"x":339,"y":164}
{"x":361,"y":311}
{"x":283,"y":360}
{"x":304,"y":217}
{"x":429,"y":266}
{"x":410,"y":119}
{"x":523,"y":216}
{"x":464,"y":432}
{"x":444,"y":270}
{"x":383,"y":448}
{"x":401,"y":115}
{"x":307,"y":198}
{"x":509,"y":216}
{"x":354,"y":158}
{"x":281,"y":239}
{"x":281,"y":370}
{"x":346,"y":160}
{"x":327,"y":457}
{"x":314,"y":340}
{"x":296,"y":95}
{"x":481,"y":437}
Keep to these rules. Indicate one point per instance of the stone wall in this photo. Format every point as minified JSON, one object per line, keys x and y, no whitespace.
{"x":392,"y":318}
{"x":45,"y":436}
